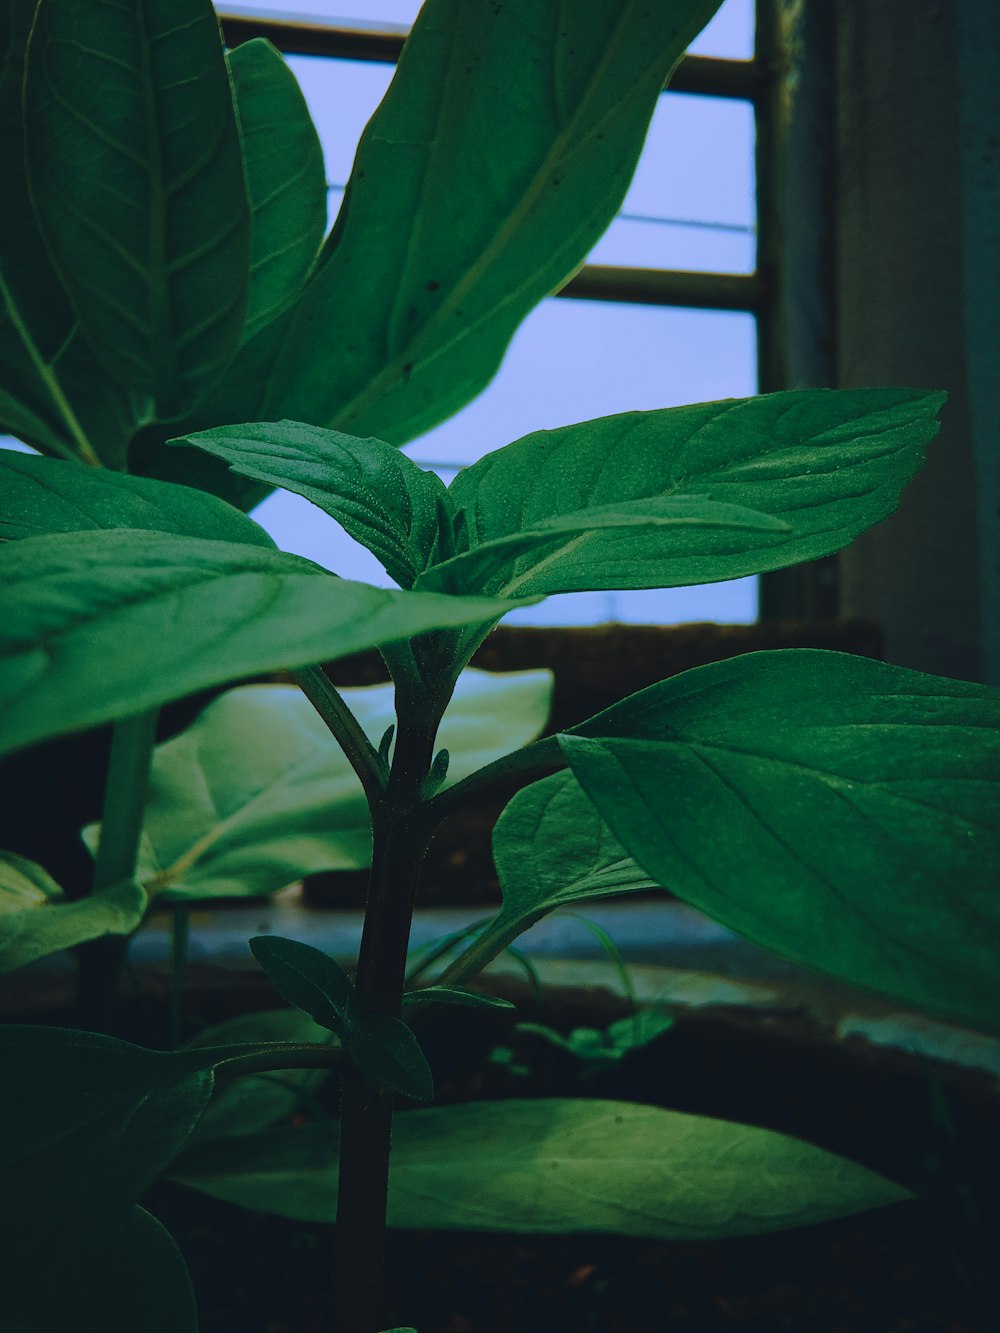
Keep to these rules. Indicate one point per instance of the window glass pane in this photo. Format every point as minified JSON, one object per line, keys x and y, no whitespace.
{"x":730,"y":33}
{"x":691,"y":203}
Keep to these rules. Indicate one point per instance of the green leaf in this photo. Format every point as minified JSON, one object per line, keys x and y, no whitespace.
{"x":602,"y":1048}
{"x":386,"y":1048}
{"x":501,"y":152}
{"x":844,"y":813}
{"x":45,"y":495}
{"x":815,"y":466}
{"x":286,"y":179}
{"x":552,"y":848}
{"x":35,"y":922}
{"x":455,"y":995}
{"x":94,"y":1122}
{"x":95,"y":626}
{"x":53,"y":393}
{"x":379,"y":496}
{"x":255,"y":793}
{"x":571,"y":548}
{"x":315,"y":983}
{"x":127,"y":1278}
{"x":307,"y":978}
{"x":140,"y":192}
{"x":257,"y":1101}
{"x":558,"y":1166}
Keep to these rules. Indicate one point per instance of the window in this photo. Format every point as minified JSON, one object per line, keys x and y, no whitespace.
{"x":639,"y":333}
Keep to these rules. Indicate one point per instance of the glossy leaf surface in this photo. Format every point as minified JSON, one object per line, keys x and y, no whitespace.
{"x":44,"y":495}
{"x":97,"y":625}
{"x":559,"y":1166}
{"x":842,"y":812}
{"x":137,"y":178}
{"x":35,"y":921}
{"x":380,"y":497}
{"x":825,"y":464}
{"x":53,"y":393}
{"x":500,"y":154}
{"x":286,"y":179}
{"x":255,"y":793}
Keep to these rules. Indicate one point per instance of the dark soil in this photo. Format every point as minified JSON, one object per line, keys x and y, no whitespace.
{"x":922,"y":1266}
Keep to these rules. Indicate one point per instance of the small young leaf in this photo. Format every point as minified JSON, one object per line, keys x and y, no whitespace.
{"x":45,"y":495}
{"x":286,"y":179}
{"x":455,"y":995}
{"x":815,"y":466}
{"x":556,"y":1166}
{"x":386,"y":1048}
{"x":842,"y":812}
{"x":97,"y":625}
{"x":145,"y":213}
{"x":307,"y":978}
{"x":437,"y":776}
{"x":378,"y":495}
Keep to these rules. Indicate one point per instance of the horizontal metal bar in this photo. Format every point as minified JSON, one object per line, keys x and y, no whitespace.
{"x":668,"y":287}
{"x":704,"y":75}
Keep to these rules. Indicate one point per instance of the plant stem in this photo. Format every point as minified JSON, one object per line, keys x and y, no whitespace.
{"x":401,"y":836}
{"x":361,"y":754}
{"x":100,"y":961}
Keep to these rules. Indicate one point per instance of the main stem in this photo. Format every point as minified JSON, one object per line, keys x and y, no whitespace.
{"x":401,"y":833}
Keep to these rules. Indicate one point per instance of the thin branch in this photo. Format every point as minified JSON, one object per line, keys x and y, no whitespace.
{"x":361,"y":754}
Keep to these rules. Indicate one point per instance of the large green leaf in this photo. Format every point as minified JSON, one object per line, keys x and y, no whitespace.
{"x":46,"y":495}
{"x":286,"y":178}
{"x":380,"y":497}
{"x":839,"y":811}
{"x":36,"y":922}
{"x":127,"y":1278}
{"x":500,"y":154}
{"x":137,"y":177}
{"x":557,"y":1166}
{"x":552,"y":848}
{"x":256,"y":793}
{"x":95,"y":626}
{"x":827,"y":464}
{"x":574,"y":548}
{"x":88,"y":1125}
{"x":53,"y":393}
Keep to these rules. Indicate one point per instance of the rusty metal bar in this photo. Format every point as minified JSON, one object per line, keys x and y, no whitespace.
{"x":702,"y":75}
